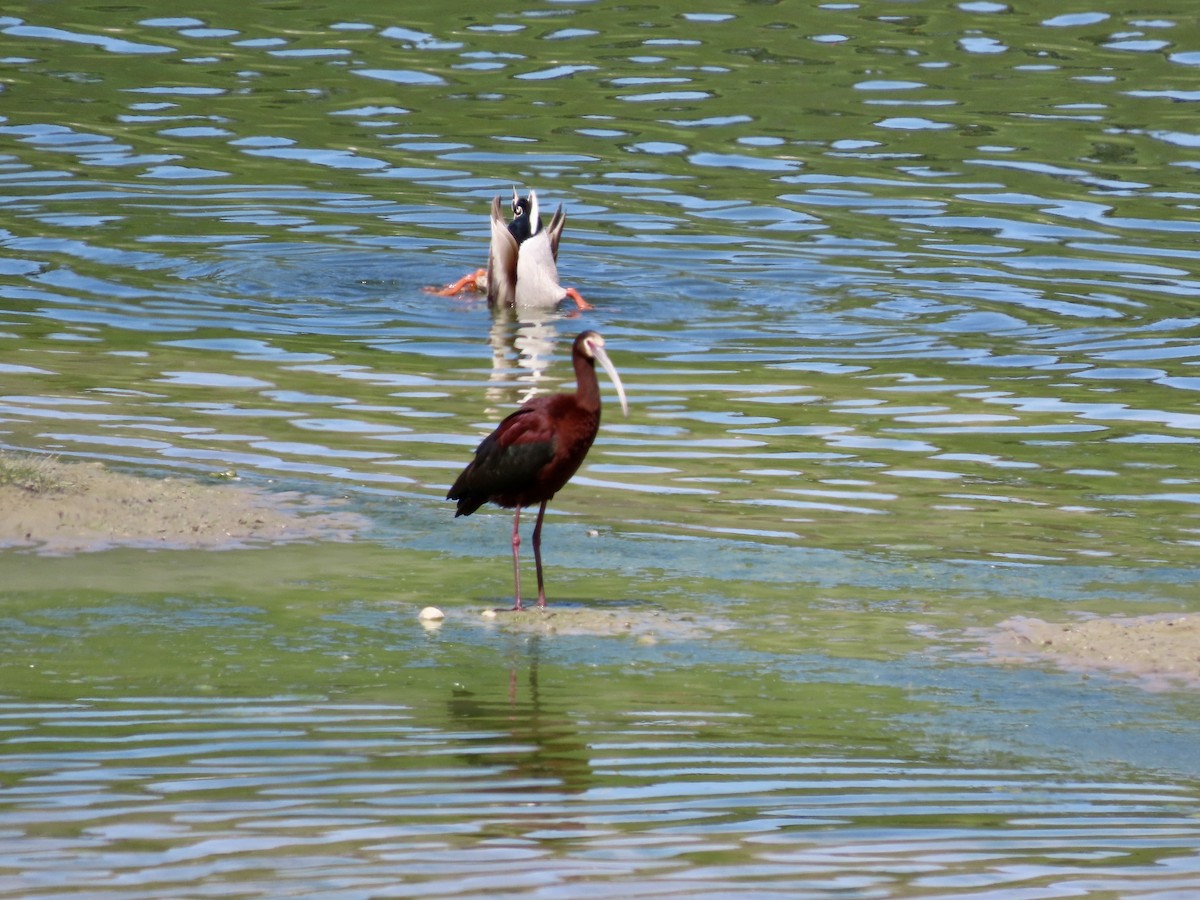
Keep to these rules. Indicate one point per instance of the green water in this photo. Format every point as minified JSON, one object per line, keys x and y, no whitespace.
{"x":903,"y":298}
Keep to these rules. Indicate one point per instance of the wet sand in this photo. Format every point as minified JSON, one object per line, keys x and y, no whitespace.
{"x":82,"y":507}
{"x":645,"y":624}
{"x":1160,"y":651}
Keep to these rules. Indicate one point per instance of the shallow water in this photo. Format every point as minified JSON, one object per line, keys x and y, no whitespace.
{"x":904,"y":302}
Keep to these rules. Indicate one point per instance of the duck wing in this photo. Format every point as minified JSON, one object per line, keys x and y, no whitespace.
{"x":555,"y":230}
{"x":502,"y":260}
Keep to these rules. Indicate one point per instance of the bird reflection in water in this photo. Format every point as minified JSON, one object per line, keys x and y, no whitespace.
{"x":522,"y":347}
{"x":539,"y":744}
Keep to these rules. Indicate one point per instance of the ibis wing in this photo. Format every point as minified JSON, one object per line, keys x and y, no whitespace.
{"x":518,"y":449}
{"x":531,"y":424}
{"x":555,"y":230}
{"x":507,"y":462}
{"x":502,"y":260}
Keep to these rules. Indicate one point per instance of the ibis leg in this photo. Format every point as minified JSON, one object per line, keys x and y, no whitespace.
{"x":537,"y":554}
{"x":516,"y":542}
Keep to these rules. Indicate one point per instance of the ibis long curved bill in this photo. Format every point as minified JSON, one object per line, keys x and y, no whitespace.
{"x":601,"y":356}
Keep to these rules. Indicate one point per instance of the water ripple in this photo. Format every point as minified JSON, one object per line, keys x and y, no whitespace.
{"x":275,"y":792}
{"x":907,"y":354}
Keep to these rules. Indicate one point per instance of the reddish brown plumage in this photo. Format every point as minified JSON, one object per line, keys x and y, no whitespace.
{"x":534,"y":452}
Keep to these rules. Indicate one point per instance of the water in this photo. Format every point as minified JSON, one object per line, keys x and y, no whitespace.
{"x":903,"y":299}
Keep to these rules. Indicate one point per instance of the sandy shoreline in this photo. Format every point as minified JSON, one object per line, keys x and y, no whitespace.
{"x":1159,"y":651}
{"x":82,"y":507}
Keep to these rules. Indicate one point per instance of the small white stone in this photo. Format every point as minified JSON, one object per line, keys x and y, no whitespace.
{"x":592,"y":532}
{"x":488,"y":614}
{"x":431,"y":614}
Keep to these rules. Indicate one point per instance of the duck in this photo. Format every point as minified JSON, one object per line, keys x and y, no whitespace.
{"x":522,"y":266}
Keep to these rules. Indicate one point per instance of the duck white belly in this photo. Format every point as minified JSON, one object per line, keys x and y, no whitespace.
{"x":537,"y":274}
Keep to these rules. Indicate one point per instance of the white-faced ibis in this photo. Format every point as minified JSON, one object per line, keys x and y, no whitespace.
{"x":536,"y":450}
{"x":522,"y":259}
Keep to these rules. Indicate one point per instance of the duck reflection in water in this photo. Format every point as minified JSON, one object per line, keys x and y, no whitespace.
{"x":522,"y":268}
{"x":522,"y":347}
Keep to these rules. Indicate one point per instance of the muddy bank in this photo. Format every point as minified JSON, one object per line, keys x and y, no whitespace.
{"x":81,"y":507}
{"x":646,"y":625}
{"x":1161,"y":651}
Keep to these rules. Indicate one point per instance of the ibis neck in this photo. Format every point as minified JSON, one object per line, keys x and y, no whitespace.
{"x":587,"y":390}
